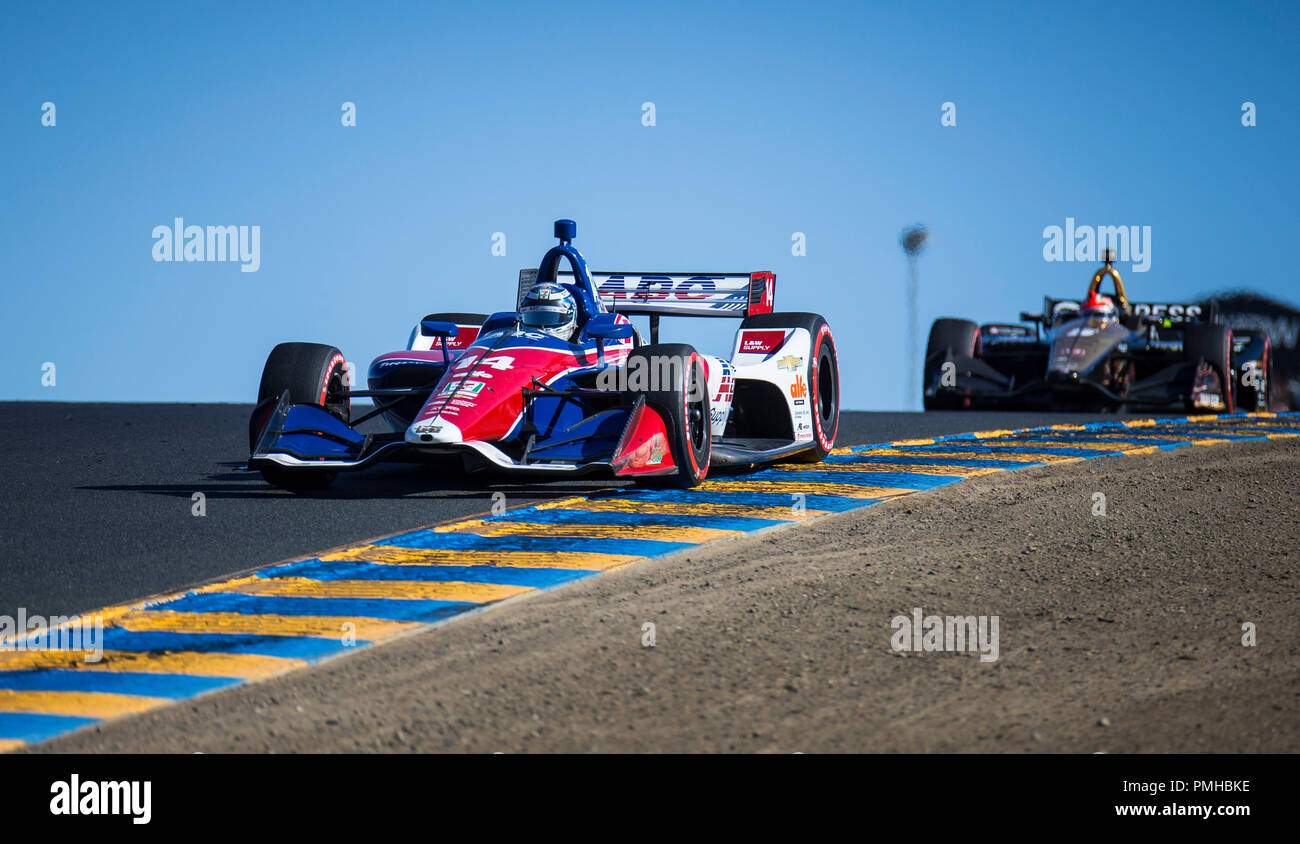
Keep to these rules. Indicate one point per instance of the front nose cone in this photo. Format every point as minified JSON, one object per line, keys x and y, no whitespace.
{"x":435,"y":430}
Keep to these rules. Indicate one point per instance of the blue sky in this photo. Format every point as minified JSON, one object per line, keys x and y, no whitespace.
{"x":473,"y":119}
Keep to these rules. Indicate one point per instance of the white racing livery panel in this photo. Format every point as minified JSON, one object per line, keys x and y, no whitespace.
{"x":722,"y":389}
{"x":779,"y":356}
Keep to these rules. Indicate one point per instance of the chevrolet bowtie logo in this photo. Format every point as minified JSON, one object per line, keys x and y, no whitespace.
{"x":790,"y":362}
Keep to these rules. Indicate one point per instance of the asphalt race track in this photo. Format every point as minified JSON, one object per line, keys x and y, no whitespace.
{"x":96,"y":500}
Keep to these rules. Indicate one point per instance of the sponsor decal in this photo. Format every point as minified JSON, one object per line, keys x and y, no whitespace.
{"x":1174,"y":312}
{"x":790,"y":362}
{"x":652,"y":288}
{"x":726,"y":389}
{"x":465,"y":337}
{"x":468,"y":388}
{"x":799,"y":389}
{"x":656,"y":452}
{"x":761,"y":342}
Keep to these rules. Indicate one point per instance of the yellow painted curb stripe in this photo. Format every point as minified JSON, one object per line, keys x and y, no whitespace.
{"x":246,"y":666}
{"x":82,"y":704}
{"x":892,"y":468}
{"x":667,"y":533}
{"x":322,"y":626}
{"x":1090,"y":446}
{"x":693,"y":508}
{"x":451,"y":590}
{"x":815,"y":488}
{"x":973,"y":455}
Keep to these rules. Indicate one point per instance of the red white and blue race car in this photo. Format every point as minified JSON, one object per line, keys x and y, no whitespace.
{"x":565,"y":385}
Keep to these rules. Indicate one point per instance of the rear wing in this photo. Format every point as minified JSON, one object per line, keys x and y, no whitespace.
{"x":1172,"y":311}
{"x":676,"y":294}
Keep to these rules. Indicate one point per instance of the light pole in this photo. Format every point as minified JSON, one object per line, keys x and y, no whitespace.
{"x":913,"y":240}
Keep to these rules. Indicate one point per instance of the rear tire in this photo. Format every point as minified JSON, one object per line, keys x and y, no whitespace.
{"x":1253,"y":397}
{"x":684,"y":404}
{"x":1212,"y":344}
{"x":313,"y":373}
{"x":961,"y":336}
{"x":822,"y":374}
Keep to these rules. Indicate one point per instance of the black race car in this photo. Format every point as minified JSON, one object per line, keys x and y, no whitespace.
{"x":1104,"y":353}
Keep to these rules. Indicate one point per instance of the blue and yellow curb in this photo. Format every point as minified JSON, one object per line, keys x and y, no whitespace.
{"x":286,"y":616}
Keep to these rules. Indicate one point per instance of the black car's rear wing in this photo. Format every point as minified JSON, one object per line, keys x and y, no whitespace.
{"x":1173,"y":311}
{"x":677,"y":294}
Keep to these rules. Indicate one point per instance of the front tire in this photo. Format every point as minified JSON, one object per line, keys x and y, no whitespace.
{"x":1255,"y":383}
{"x":313,"y":373}
{"x":1210,"y":345}
{"x":684,"y":404}
{"x":961,"y":336}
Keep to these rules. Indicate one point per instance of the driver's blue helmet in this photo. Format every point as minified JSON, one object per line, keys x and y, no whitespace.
{"x":551,"y":308}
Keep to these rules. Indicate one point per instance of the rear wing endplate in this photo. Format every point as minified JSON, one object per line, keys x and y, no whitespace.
{"x":1172,"y":311}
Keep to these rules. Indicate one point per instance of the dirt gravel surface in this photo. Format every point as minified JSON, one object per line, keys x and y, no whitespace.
{"x":1121,"y":633}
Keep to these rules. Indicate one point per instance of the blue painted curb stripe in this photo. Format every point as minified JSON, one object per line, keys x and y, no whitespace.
{"x":559,"y":518}
{"x":38,"y":726}
{"x":395,"y":610}
{"x":897,"y":480}
{"x":935,"y":460}
{"x":469,"y":542}
{"x":832,"y":503}
{"x":539,"y":578}
{"x":172,"y":686}
{"x":297,"y":647}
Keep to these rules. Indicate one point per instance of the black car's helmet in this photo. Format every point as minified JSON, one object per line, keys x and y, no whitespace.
{"x":551,"y":308}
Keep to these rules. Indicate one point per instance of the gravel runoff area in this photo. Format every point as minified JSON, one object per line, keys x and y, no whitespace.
{"x":1117,"y":633}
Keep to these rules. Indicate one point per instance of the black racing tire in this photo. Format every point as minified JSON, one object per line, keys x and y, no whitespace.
{"x":823,"y":378}
{"x":1211,"y":343}
{"x":1249,"y":395}
{"x":313,"y":373}
{"x":961,"y":336}
{"x":684,"y":404}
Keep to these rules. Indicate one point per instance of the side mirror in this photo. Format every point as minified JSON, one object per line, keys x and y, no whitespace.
{"x":446,"y":330}
{"x":610,"y":331}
